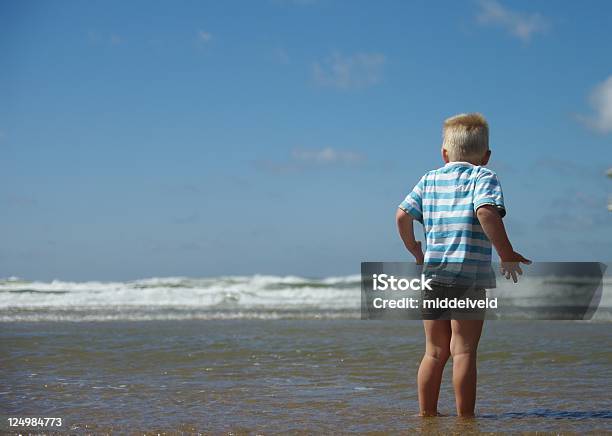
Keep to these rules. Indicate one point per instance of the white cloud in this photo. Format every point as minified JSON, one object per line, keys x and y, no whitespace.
{"x":326,"y":155}
{"x":356,"y":71}
{"x":601,"y":102}
{"x":305,"y":159}
{"x":204,"y":36}
{"x":519,"y":24}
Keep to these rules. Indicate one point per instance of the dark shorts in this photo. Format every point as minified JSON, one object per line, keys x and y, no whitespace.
{"x":450,"y":293}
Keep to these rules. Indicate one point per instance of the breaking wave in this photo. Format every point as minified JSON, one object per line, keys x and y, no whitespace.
{"x":226,"y":297}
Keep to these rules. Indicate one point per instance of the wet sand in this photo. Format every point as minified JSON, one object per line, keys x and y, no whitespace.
{"x":269,"y":376}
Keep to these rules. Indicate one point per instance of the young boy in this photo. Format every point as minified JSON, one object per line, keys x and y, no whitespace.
{"x":461,"y":208}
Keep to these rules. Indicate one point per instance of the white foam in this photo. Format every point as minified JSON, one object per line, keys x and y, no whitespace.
{"x":243,"y":291}
{"x":263,"y":296}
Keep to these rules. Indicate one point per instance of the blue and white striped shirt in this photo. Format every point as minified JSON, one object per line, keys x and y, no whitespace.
{"x":445,"y":201}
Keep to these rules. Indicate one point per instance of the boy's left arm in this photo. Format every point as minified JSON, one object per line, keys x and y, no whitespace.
{"x":406,"y":231}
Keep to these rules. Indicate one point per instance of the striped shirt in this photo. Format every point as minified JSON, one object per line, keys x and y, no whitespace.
{"x":445,"y":201}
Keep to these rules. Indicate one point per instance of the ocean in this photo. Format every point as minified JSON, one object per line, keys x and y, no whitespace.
{"x":242,"y":297}
{"x":267,"y":354}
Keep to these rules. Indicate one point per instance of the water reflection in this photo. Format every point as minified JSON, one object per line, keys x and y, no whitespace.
{"x":555,"y":414}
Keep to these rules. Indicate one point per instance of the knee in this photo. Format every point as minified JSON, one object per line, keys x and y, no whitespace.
{"x":440,"y":355}
{"x":462,"y":352}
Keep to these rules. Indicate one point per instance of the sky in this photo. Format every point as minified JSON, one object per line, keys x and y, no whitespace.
{"x":201,"y":138}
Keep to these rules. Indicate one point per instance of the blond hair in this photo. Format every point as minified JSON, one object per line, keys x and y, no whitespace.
{"x":466,"y":137}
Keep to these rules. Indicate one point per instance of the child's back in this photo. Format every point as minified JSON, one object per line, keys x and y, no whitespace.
{"x":461,"y":207}
{"x":445,"y":201}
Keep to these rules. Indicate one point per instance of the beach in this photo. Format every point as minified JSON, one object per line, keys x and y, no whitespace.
{"x":230,"y":218}
{"x":313,"y":375}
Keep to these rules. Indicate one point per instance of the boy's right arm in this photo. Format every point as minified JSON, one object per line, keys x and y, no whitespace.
{"x":493,"y":226}
{"x":406,"y":231}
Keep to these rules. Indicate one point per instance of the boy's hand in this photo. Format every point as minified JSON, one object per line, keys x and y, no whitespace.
{"x":417,"y":251}
{"x":510,"y":265}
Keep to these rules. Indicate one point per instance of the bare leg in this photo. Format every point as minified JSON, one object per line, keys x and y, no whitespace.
{"x":463,"y":346}
{"x":437,"y":351}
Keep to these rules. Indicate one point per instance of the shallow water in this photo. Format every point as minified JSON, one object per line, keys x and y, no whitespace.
{"x":286,"y":375}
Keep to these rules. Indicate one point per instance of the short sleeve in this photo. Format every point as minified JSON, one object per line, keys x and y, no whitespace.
{"x":488,"y":191}
{"x":413,"y":203}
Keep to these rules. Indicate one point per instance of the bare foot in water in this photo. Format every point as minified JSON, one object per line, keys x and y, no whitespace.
{"x":429,"y":415}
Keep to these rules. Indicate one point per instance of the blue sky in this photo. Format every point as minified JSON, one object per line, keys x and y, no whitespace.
{"x":146,"y":138}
